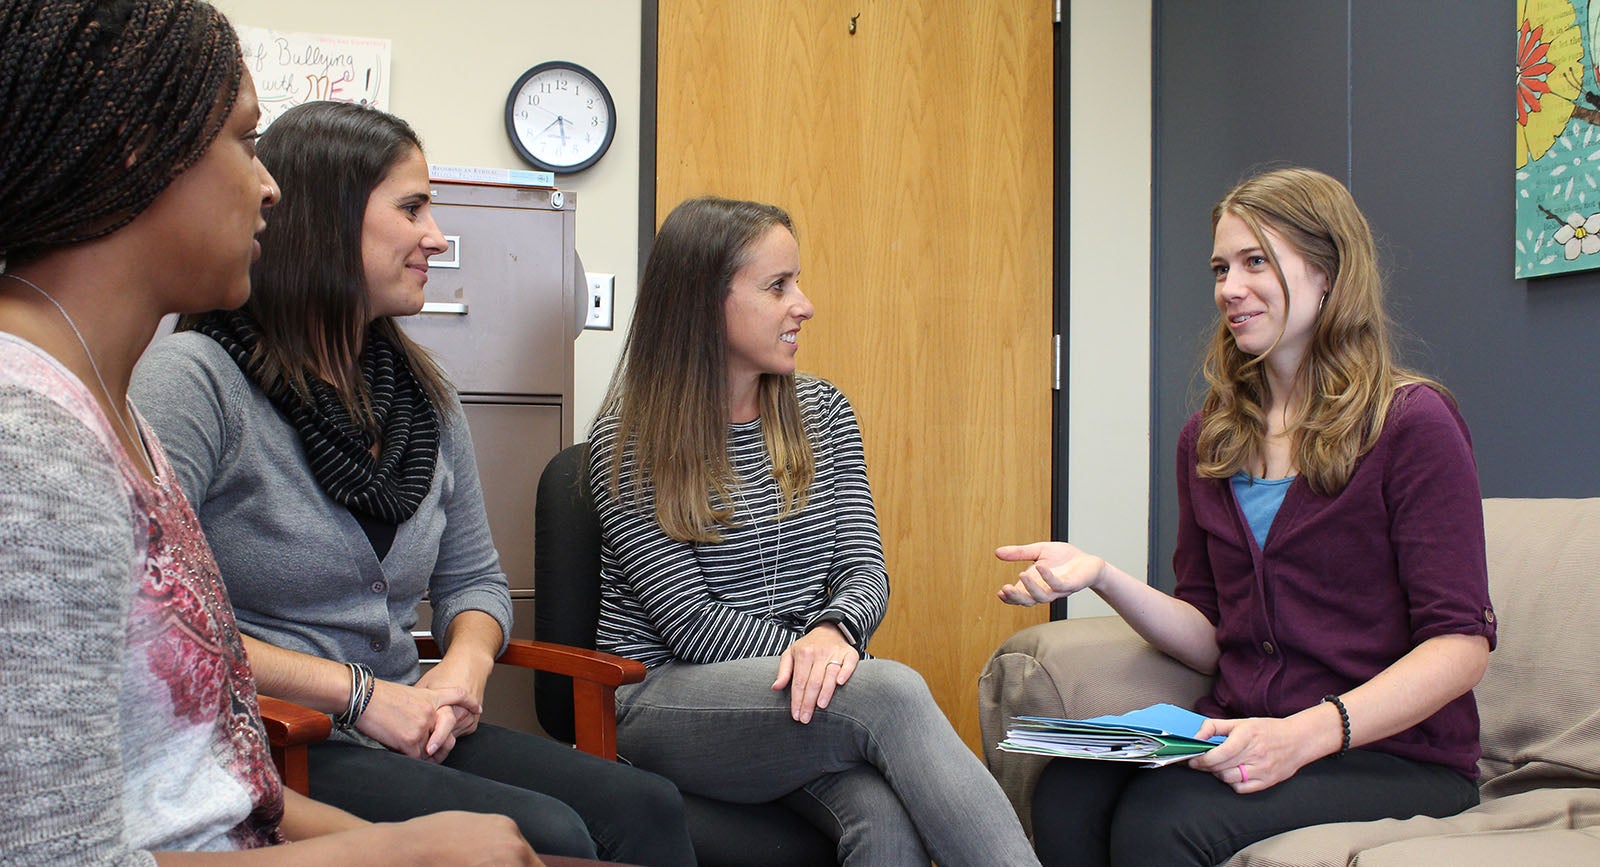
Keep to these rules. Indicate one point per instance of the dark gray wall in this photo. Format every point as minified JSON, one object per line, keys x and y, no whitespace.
{"x":1411,"y":105}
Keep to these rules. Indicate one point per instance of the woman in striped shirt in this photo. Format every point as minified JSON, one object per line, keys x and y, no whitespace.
{"x":741,"y":563}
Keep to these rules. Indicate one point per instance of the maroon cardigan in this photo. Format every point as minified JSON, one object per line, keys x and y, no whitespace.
{"x":1347,"y":584}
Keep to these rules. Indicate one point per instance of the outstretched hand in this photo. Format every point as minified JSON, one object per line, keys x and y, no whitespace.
{"x":1056,"y":570}
{"x":814,"y":666}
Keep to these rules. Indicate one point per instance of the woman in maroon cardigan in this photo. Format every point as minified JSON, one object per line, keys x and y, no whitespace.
{"x":1330,"y":564}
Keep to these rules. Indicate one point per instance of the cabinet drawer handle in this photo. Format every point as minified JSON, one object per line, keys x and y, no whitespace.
{"x":455,"y":308}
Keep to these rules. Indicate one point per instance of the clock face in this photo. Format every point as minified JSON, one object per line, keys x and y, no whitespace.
{"x":560,"y":117}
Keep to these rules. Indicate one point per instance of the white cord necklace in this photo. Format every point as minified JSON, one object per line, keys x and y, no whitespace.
{"x":769,"y":584}
{"x":144,"y":450}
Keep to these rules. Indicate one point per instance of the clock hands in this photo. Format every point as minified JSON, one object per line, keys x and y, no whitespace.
{"x":561,"y":124}
{"x":553,"y":138}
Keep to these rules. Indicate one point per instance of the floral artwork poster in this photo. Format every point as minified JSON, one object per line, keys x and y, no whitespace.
{"x":1557,"y":137}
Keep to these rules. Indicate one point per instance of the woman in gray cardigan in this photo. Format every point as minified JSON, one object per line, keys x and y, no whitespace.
{"x":333,"y":472}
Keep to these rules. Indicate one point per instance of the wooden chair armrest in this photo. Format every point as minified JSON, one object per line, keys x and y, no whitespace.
{"x":595,"y":678}
{"x":290,"y":727}
{"x":603,"y":668}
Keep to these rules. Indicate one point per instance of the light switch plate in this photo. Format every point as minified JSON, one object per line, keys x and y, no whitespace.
{"x":601,"y":291}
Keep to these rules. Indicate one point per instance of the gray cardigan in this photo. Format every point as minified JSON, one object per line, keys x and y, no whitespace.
{"x":297,"y":565}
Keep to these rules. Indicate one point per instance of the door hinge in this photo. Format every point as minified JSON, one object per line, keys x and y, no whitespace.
{"x":1055,"y":364}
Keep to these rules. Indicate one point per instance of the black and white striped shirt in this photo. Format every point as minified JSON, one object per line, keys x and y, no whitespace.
{"x":768,"y":581}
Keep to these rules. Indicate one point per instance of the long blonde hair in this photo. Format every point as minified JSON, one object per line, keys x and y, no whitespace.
{"x":1348,"y":374}
{"x":670,"y":392}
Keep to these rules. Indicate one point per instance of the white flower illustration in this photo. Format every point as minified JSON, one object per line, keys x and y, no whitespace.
{"x":1580,"y":236}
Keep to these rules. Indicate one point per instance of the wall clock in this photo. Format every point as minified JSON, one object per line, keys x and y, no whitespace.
{"x":560,"y":117}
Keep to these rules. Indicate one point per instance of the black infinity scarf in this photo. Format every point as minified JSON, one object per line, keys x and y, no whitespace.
{"x":388,"y":487}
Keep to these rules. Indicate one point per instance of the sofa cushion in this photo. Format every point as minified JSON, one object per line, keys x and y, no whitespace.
{"x":1540,"y":698}
{"x":1493,"y":849}
{"x":1540,"y":822}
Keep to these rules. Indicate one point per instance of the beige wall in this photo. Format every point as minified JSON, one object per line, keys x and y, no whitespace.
{"x":1108,"y":465}
{"x":452,"y":64}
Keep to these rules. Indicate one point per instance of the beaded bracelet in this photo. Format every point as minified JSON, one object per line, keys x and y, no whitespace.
{"x":1344,"y":721}
{"x":366,"y":694}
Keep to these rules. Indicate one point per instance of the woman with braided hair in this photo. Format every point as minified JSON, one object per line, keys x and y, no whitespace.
{"x":130,"y":188}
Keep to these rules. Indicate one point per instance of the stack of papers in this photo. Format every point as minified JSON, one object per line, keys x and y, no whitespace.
{"x":1160,"y":734}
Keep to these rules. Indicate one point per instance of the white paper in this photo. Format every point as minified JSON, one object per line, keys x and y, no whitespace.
{"x":293,"y":68}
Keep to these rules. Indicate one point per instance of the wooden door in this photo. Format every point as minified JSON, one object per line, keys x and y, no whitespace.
{"x":915,"y":155}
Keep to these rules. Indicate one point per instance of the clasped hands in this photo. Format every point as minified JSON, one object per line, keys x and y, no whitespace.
{"x":815,"y":665}
{"x":423,"y":721}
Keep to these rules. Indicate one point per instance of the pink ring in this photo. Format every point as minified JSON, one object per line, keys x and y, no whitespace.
{"x":1244,"y":777}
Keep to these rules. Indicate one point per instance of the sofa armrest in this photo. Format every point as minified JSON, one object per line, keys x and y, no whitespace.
{"x":1076,"y":669}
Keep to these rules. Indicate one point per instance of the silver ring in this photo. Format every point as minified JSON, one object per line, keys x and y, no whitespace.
{"x":835,"y":662}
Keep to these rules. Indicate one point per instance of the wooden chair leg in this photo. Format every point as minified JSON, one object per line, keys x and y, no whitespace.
{"x":290,"y":729}
{"x":294,"y":767}
{"x":594,"y":718}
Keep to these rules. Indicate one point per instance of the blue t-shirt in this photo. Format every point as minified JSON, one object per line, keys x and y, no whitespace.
{"x":1259,"y":499}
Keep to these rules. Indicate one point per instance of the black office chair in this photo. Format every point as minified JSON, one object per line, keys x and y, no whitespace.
{"x":567,"y":609}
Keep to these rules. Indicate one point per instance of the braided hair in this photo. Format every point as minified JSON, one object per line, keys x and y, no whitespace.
{"x":102,"y":104}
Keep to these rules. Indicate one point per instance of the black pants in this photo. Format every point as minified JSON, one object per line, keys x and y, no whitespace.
{"x":566,"y":802}
{"x":1109,"y":813}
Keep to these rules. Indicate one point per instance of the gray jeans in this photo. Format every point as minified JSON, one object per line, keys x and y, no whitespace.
{"x":881,"y":758}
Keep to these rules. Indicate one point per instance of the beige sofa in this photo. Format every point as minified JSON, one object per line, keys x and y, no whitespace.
{"x":1539,"y":702}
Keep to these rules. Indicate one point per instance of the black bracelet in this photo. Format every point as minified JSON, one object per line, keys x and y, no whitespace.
{"x":1344,"y":720}
{"x":366,"y":696}
{"x":342,"y":719}
{"x":361,"y":688}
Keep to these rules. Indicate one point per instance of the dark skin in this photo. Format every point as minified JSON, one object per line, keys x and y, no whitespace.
{"x":115,"y":289}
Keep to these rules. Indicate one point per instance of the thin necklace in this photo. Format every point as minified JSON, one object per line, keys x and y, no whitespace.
{"x":769,"y":584}
{"x":144,"y":450}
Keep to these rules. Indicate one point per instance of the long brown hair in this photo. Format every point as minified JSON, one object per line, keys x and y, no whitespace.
{"x":670,"y":392}
{"x":308,"y":291}
{"x":1348,"y":374}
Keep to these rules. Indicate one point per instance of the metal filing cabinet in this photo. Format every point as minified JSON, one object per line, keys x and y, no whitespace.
{"x":501,"y":315}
